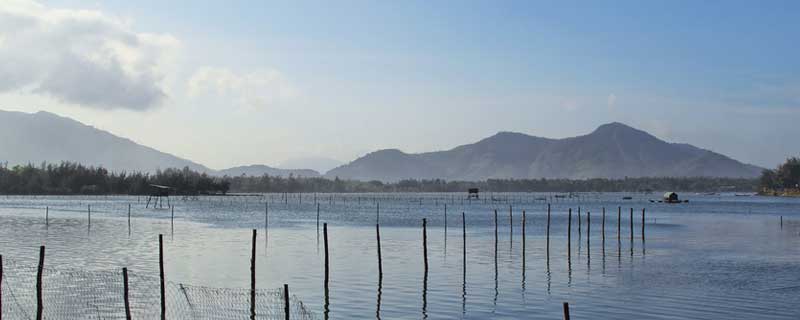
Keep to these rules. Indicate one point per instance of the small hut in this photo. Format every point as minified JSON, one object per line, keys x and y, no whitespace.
{"x":158,"y":193}
{"x":472,"y":193}
{"x":671,"y":197}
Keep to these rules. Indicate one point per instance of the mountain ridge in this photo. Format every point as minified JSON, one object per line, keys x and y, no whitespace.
{"x":33,"y":138}
{"x":613,"y":150}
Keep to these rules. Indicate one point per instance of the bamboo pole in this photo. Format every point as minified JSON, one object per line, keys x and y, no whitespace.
{"x":39,"y":271}
{"x":548,"y":231}
{"x":603,"y":227}
{"x":1,"y":287}
{"x":327,"y":268}
{"x":125,"y":297}
{"x":523,"y":241}
{"x":569,"y":234}
{"x":425,"y":242}
{"x":161,"y":276}
{"x":643,"y":224}
{"x":380,"y":259}
{"x":566,"y":310}
{"x":619,"y":223}
{"x":286,"y":301}
{"x":464,"y":233}
{"x":253,"y":278}
{"x":631,"y":219}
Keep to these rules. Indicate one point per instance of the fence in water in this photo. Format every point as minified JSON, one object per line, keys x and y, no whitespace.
{"x":79,"y":294}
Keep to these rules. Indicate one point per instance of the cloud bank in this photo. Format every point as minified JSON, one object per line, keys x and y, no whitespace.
{"x":82,"y":57}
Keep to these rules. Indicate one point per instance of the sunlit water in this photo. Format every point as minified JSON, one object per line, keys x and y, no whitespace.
{"x":716,"y":257}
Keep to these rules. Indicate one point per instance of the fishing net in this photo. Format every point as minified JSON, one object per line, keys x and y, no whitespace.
{"x":78,"y":294}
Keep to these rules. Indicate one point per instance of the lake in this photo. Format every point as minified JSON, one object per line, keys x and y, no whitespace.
{"x":715,"y":257}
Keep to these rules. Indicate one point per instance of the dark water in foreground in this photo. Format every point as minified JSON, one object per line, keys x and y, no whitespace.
{"x":716,"y":257}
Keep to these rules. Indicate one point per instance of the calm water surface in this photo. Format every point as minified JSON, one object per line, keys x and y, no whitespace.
{"x":716,"y":257}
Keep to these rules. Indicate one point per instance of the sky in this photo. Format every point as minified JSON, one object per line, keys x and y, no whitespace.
{"x":227,"y":83}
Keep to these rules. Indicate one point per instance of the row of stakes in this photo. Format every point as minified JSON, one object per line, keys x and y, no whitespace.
{"x":327,"y":273}
{"x":327,"y":269}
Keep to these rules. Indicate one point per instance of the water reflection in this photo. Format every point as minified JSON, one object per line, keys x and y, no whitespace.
{"x":678,"y":239}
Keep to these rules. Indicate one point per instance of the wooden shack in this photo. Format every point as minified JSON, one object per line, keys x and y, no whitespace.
{"x":671,"y":197}
{"x":472,"y":193}
{"x":158,"y":193}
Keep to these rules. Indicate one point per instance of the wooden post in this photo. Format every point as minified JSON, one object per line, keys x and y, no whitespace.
{"x":569,"y":234}
{"x":588,"y":230}
{"x":631,"y":224}
{"x":89,"y":212}
{"x":317,"y":217}
{"x":781,"y":222}
{"x":523,"y":241}
{"x":126,"y":300}
{"x":380,"y":260}
{"x":643,"y":224}
{"x":566,"y":310}
{"x":464,"y":233}
{"x":603,"y":227}
{"x":377,"y":212}
{"x":619,"y":223}
{"x":425,"y":242}
{"x":47,"y":218}
{"x":253,"y":278}
{"x":161,"y":276}
{"x":580,"y":231}
{"x":327,"y":261}
{"x":172,"y":215}
{"x":1,"y":287}
{"x":266,"y":217}
{"x":495,"y":241}
{"x":39,"y":271}
{"x":129,"y":218}
{"x":495,"y":233}
{"x":548,"y":231}
{"x":286,"y":301}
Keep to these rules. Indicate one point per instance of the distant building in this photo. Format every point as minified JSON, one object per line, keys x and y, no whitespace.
{"x":158,"y":193}
{"x":671,"y":197}
{"x":473,"y":193}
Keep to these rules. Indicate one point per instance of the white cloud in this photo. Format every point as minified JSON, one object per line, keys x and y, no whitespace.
{"x":83,"y":57}
{"x":256,"y":89}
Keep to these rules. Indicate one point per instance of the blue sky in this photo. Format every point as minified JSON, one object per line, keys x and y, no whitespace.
{"x":259,"y":81}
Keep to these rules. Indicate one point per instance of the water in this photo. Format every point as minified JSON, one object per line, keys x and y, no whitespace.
{"x":716,"y":257}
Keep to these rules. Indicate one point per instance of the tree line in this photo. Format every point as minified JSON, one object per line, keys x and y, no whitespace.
{"x":786,"y":177}
{"x":69,"y":178}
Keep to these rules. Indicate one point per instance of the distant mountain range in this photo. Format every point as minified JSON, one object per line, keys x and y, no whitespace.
{"x":260,"y":170}
{"x":613,"y":150}
{"x":43,"y":136}
{"x":319,"y":164}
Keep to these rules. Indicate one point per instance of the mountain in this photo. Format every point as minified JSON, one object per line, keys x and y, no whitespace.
{"x":258,"y":170}
{"x":43,"y":136}
{"x":613,"y":150}
{"x":319,"y":164}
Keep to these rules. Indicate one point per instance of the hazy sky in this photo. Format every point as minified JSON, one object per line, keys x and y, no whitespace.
{"x":227,"y":83}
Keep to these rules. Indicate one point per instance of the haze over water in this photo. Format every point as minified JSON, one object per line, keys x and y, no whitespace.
{"x":716,"y":257}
